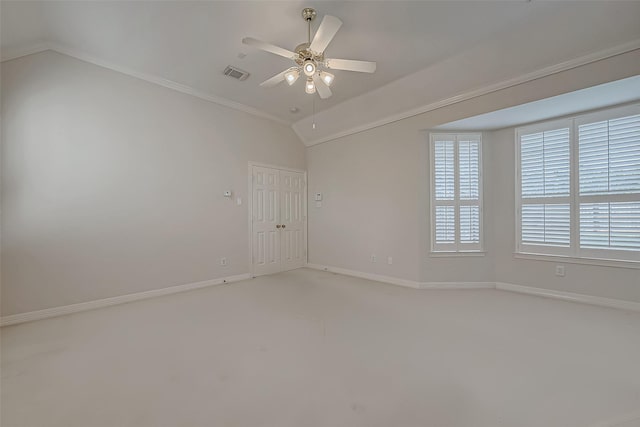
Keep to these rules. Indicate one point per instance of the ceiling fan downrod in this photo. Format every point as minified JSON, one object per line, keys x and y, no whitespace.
{"x":309,"y":14}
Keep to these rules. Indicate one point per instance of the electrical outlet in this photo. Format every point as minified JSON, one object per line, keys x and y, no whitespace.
{"x":373,"y":258}
{"x":389,"y":260}
{"x":560,"y":270}
{"x":223,"y":261}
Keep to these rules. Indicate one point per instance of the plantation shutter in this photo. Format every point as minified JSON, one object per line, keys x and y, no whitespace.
{"x":609,"y":182}
{"x":456,"y":192}
{"x":469,"y":173}
{"x":444,"y":178}
{"x":545,"y":211}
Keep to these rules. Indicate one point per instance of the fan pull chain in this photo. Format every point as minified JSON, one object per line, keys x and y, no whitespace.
{"x":313,"y":126}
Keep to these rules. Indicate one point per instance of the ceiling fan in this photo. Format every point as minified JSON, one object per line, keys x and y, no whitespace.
{"x":309,"y":57}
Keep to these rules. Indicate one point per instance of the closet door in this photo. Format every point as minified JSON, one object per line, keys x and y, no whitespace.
{"x":278,"y":226}
{"x":266,"y":221}
{"x":292,"y":220}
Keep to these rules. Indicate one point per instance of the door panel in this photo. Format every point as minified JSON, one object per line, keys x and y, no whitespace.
{"x":292,"y":208}
{"x":266,"y":210}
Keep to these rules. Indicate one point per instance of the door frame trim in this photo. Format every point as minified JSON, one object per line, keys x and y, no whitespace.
{"x":250,"y":208}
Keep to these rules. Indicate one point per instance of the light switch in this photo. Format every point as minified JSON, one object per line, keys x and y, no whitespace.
{"x":318,"y":197}
{"x":239,"y":201}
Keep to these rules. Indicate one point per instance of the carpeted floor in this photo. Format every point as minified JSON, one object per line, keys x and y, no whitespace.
{"x":310,"y":348}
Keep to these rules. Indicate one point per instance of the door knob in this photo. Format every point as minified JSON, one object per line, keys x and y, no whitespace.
{"x":283,"y":225}
{"x":277,"y":225}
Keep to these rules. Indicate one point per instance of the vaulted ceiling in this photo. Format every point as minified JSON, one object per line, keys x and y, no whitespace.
{"x":190,"y":44}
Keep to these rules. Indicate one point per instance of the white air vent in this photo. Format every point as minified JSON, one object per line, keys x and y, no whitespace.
{"x":236,"y":73}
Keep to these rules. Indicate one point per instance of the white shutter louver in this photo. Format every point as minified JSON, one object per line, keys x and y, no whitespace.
{"x":469,"y":224}
{"x":546,"y":224}
{"x":469,"y":164}
{"x":544,"y":160}
{"x":610,"y":156}
{"x":444,"y":172}
{"x":610,"y":226}
{"x":445,"y":224}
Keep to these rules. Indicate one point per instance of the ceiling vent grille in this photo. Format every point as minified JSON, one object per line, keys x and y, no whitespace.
{"x":236,"y":73}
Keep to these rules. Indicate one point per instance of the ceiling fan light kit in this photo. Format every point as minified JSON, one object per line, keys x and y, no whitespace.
{"x":309,"y":57}
{"x":309,"y":67}
{"x":291,"y":76}
{"x":327,"y":78}
{"x":310,"y":87}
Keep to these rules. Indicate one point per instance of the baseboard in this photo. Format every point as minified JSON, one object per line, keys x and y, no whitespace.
{"x":457,"y":285}
{"x":570,"y":296}
{"x":106,"y":302}
{"x":529,"y":290}
{"x":369,"y":276}
{"x":510,"y":287}
{"x":404,"y":282}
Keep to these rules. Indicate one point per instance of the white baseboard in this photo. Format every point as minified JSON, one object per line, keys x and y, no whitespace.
{"x":457,"y":285}
{"x":529,"y":290}
{"x":404,"y":282}
{"x":570,"y":296}
{"x":106,"y":302}
{"x":369,"y":276}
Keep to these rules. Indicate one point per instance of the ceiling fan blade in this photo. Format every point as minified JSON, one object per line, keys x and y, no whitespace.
{"x":327,"y":30}
{"x":321,"y":87}
{"x":274,"y":80}
{"x":350,"y":65}
{"x":267,"y":47}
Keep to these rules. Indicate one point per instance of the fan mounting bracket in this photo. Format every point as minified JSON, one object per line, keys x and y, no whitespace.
{"x":309,"y":14}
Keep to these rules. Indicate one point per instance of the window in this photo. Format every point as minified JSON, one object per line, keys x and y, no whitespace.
{"x":456,"y":192}
{"x":578,"y":190}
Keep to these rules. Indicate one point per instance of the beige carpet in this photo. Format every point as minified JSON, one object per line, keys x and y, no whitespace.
{"x":308,"y":348}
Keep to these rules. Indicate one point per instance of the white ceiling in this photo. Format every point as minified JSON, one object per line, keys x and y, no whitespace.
{"x":190,"y":43}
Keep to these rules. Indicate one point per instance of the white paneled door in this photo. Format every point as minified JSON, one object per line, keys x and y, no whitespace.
{"x":278,"y":238}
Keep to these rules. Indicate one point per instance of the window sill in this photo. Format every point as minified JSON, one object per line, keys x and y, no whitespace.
{"x":574,"y":260}
{"x":452,"y":254}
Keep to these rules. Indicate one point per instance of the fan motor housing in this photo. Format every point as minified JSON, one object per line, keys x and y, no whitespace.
{"x":304,"y":53}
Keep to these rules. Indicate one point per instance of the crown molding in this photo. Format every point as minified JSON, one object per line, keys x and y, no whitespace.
{"x":524,"y":78}
{"x":170,"y":84}
{"x":10,"y":54}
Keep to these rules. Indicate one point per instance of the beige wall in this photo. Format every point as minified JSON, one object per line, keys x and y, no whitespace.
{"x":376,"y":189}
{"x":112,"y":185}
{"x":375,"y":186}
{"x":370,"y":202}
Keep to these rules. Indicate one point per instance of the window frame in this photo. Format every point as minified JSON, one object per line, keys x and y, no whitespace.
{"x":456,"y":248}
{"x":613,"y":257}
